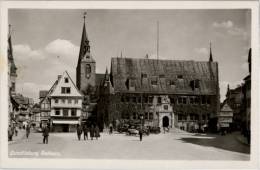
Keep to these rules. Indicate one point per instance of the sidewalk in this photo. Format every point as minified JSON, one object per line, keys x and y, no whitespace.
{"x":241,"y":139}
{"x":20,"y":136}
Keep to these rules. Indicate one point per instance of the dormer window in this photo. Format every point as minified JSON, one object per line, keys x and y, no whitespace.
{"x":180,"y":76}
{"x":144,"y":75}
{"x":195,"y":84}
{"x":154,"y":81}
{"x":66,"y":80}
{"x":161,"y":76}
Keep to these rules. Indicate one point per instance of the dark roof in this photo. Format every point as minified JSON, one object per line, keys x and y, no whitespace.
{"x":166,"y":72}
{"x":99,"y":78}
{"x":43,"y":93}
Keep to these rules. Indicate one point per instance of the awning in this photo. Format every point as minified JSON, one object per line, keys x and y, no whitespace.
{"x":73,"y":122}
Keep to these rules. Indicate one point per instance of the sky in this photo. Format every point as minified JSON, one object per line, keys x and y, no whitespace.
{"x":46,"y":42}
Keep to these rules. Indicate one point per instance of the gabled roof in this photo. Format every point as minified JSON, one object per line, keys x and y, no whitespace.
{"x":164,"y":72}
{"x":225,"y":107}
{"x":74,"y":90}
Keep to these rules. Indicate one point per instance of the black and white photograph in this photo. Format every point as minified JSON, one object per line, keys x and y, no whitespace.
{"x":170,"y":84}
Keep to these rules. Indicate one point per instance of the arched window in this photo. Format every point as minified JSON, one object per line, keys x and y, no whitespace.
{"x":88,"y":70}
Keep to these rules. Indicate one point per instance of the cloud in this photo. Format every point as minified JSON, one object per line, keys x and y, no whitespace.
{"x":224,"y":24}
{"x":38,"y":69}
{"x":64,"y":50}
{"x":231,"y":29}
{"x":202,"y":50}
{"x":24,"y":52}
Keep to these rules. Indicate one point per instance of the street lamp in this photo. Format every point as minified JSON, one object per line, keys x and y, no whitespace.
{"x":142,"y":120}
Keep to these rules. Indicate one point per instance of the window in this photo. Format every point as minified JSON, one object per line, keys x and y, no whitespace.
{"x":13,"y":86}
{"x":208,"y":100}
{"x":76,"y":101}
{"x":65,"y":112}
{"x":88,"y":69}
{"x":127,"y":99}
{"x":165,"y":107}
{"x":172,"y":83}
{"x":146,"y":116}
{"x":159,"y":100}
{"x":56,"y":100}
{"x":134,"y":99}
{"x":63,"y":100}
{"x":122,"y":99}
{"x":182,"y":100}
{"x":203,"y":100}
{"x":69,"y":100}
{"x":65,"y":90}
{"x":139,"y":100}
{"x":66,"y":80}
{"x":197,"y":100}
{"x":180,"y":76}
{"x":161,"y":76}
{"x":145,"y":99}
{"x":73,"y":112}
{"x":172,"y":100}
{"x":57,"y":112}
{"x":135,"y":116}
{"x":154,"y":81}
{"x":150,"y":99}
{"x":151,"y":116}
{"x":144,"y":75}
{"x":191,"y":100}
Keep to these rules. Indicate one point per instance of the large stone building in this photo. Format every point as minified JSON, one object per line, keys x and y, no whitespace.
{"x":181,"y":94}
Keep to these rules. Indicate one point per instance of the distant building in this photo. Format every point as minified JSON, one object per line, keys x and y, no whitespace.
{"x":225,"y":116}
{"x":235,"y":98}
{"x":62,"y":105}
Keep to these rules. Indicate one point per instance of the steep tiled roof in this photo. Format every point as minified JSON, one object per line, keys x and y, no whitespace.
{"x":99,"y":78}
{"x":171,"y":76}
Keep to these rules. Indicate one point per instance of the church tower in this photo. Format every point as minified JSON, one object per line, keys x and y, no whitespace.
{"x":86,"y":67}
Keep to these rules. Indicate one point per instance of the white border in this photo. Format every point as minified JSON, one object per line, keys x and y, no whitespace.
{"x":129,"y":164}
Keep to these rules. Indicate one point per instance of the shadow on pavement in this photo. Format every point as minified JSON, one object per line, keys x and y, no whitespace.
{"x":227,"y":142}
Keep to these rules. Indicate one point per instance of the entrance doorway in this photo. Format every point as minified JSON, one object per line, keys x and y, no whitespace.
{"x":165,"y":121}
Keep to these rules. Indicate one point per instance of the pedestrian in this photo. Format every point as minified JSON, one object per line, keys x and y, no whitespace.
{"x":10,"y":133}
{"x":92,"y":132}
{"x":85,"y":130}
{"x":97,"y":135}
{"x":15,"y":131}
{"x":27,"y":131}
{"x":79,"y":131}
{"x":110,"y":128}
{"x":141,"y":134}
{"x":45,"y":134}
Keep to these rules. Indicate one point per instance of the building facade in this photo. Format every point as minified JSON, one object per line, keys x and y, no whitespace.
{"x":63,"y":105}
{"x":225,"y":116}
{"x":181,"y":94}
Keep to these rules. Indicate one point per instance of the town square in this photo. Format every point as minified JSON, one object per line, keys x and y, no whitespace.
{"x":129,"y":84}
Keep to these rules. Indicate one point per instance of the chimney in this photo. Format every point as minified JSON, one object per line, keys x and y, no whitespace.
{"x":59,"y":77}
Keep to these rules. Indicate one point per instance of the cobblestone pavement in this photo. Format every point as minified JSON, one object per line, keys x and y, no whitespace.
{"x":176,"y":145}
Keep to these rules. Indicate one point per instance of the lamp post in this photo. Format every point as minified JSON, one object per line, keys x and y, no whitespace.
{"x":142,"y":121}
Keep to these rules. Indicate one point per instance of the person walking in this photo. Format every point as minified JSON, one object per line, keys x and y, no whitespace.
{"x":110,"y":128}
{"x":79,"y":131}
{"x":85,"y":131}
{"x":27,"y":130}
{"x":97,"y":135}
{"x":141,"y":134}
{"x":15,"y":131}
{"x":45,"y":134}
{"x":10,"y":133}
{"x":92,"y":132}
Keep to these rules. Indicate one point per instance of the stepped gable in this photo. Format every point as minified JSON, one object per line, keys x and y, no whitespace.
{"x":167,"y":73}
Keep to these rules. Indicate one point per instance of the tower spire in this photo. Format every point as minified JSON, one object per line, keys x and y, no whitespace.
{"x":84,"y":45}
{"x":210,"y":53}
{"x":249,"y":60}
